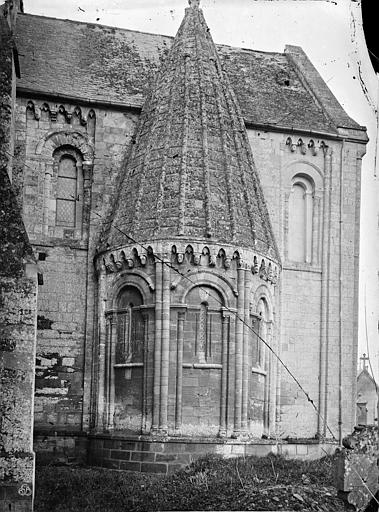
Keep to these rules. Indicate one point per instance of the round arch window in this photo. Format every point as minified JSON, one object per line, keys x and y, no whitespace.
{"x":130,"y":325}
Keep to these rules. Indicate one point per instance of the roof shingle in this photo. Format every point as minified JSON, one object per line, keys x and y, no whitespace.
{"x":103,"y":64}
{"x":191,"y":173}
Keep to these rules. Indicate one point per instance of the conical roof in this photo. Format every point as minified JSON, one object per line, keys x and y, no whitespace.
{"x":191,"y":174}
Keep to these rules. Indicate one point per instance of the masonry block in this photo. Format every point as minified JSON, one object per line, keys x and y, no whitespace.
{"x":153,"y":468}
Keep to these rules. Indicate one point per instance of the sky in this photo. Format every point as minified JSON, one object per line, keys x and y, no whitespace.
{"x":331,"y":34}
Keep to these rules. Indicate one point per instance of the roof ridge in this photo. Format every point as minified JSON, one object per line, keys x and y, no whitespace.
{"x":123,"y":29}
{"x":255,"y":75}
{"x":322,"y":94}
{"x":77,"y":22}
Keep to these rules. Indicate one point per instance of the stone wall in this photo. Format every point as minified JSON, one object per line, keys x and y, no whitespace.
{"x":316,"y":337}
{"x":67,"y":299}
{"x":65,"y":303}
{"x":61,"y":447}
{"x":151,"y":456}
{"x":215,"y":384}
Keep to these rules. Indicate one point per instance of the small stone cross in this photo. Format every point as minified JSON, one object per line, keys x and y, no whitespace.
{"x":364,"y":358}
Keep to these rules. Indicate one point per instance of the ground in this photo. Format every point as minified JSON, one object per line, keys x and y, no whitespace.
{"x":211,"y":483}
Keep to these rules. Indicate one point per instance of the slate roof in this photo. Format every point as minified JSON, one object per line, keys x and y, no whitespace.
{"x":106,"y":64}
{"x":191,"y":173}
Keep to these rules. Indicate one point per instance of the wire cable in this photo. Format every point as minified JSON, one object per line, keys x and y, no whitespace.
{"x":309,"y":399}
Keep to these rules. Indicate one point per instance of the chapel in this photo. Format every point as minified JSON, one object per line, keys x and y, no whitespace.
{"x":193,"y":213}
{"x":367,"y":394}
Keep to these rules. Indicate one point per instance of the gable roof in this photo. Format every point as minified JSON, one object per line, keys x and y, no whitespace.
{"x":90,"y":62}
{"x":365,"y":375}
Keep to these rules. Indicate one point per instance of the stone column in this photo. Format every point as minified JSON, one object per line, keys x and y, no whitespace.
{"x":101,"y":364}
{"x":224,"y":374}
{"x":157,"y":345}
{"x":322,"y":418}
{"x":272,"y":363}
{"x":85,"y":204}
{"x":246,"y":350}
{"x":239,"y":350}
{"x":179,"y":371}
{"x":231,"y":371}
{"x":111,"y":340}
{"x":145,"y":316}
{"x":165,"y":353}
{"x":308,"y":225}
{"x":47,"y":198}
{"x":79,"y":198}
{"x":316,"y":231}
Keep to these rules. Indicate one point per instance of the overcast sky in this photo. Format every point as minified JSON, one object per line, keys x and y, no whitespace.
{"x":330,"y":33}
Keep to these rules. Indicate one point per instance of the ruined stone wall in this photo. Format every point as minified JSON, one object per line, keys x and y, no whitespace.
{"x":18,"y":296}
{"x":7,"y":80}
{"x":357,"y":472}
{"x":319,"y":303}
{"x":98,"y":139}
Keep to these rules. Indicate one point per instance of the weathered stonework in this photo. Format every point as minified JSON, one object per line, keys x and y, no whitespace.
{"x":209,"y":180}
{"x":357,"y":471}
{"x":154,"y":456}
{"x":63,"y":254}
{"x":178,"y":311}
{"x":18,"y":302}
{"x":316,"y":284}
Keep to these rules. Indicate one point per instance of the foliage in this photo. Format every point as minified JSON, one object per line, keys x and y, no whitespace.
{"x":211,"y":483}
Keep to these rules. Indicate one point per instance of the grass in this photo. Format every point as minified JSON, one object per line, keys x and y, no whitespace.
{"x":211,"y":483}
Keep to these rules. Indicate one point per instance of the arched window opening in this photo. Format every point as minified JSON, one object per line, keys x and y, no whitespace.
{"x":130,"y":327}
{"x":204,"y":345}
{"x":67,"y":191}
{"x":263,"y":411}
{"x":300,"y":220}
{"x":260,"y":327}
{"x":204,"y":315}
{"x":126,"y":356}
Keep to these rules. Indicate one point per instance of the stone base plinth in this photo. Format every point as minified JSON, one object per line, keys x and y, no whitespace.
{"x":155,"y":455}
{"x":60,"y":447}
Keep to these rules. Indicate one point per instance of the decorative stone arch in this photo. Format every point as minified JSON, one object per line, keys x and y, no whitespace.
{"x":303,"y":213}
{"x":128,"y":325}
{"x":266,"y":362}
{"x":50,"y":149}
{"x":263,"y":292}
{"x":203,"y":337}
{"x":306,"y":168}
{"x":206,"y":278}
{"x":262,"y":298}
{"x":74,"y":138}
{"x":136,"y":278}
